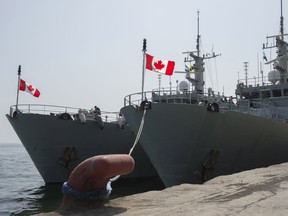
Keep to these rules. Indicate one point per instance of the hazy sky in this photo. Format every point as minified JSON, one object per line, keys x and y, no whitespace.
{"x":89,"y":52}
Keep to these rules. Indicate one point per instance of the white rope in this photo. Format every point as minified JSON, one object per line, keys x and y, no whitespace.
{"x":139,"y":133}
{"x":135,"y":142}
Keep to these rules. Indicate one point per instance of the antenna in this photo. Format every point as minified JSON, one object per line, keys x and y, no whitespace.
{"x":143,"y":67}
{"x":198,"y":36}
{"x":261,"y":71}
{"x":159,"y":81}
{"x":238,"y":77}
{"x":18,"y":87}
{"x":246,"y":72}
{"x":282,"y":23}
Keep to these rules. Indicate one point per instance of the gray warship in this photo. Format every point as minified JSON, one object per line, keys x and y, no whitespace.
{"x":58,"y":138}
{"x":192,"y":134}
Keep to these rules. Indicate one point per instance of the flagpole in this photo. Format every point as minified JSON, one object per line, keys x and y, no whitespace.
{"x":143,"y":68}
{"x":19,"y":74}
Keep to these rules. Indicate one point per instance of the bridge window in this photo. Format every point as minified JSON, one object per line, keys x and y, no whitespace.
{"x":276,"y":93}
{"x":255,"y":95}
{"x":245,"y":95}
{"x":187,"y":101}
{"x":266,"y":94}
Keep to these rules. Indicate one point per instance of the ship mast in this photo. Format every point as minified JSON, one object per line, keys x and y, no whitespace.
{"x":143,"y":67}
{"x":198,"y":36}
{"x":282,"y":23}
{"x":280,"y":62}
{"x":198,"y":66}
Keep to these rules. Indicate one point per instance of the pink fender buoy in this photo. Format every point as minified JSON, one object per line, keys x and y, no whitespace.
{"x":89,"y":183}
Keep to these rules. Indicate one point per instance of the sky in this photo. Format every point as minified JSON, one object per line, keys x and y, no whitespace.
{"x":89,"y":52}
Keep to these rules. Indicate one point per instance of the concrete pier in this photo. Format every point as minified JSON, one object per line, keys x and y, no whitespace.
{"x":261,"y":191}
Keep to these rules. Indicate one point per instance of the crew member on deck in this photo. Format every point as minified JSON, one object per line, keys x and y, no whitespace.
{"x":97,"y":110}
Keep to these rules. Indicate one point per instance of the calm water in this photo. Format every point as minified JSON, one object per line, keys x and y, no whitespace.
{"x":23,"y":192}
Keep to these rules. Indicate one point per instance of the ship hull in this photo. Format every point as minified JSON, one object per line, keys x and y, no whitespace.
{"x":188,"y":144}
{"x":57,"y":146}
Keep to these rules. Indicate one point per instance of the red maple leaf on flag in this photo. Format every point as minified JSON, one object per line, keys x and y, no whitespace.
{"x":159,"y":65}
{"x":31,"y":88}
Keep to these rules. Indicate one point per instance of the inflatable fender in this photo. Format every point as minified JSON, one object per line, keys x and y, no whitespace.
{"x":82,"y":118}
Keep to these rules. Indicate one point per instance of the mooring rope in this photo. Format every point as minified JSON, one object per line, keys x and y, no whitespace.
{"x":135,"y":142}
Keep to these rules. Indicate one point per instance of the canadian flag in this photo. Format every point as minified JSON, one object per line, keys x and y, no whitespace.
{"x":24,"y":86}
{"x":160,"y":66}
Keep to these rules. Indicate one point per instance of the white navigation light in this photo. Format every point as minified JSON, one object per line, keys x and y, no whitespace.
{"x":274,"y":76}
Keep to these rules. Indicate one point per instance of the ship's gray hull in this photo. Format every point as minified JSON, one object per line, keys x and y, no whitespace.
{"x":57,"y":146}
{"x":188,"y":144}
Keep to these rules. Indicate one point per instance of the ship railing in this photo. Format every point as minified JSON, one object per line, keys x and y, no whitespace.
{"x":45,"y":109}
{"x":253,"y":82}
{"x":136,"y":98}
{"x":175,"y":96}
{"x":156,"y":96}
{"x":265,"y":110}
